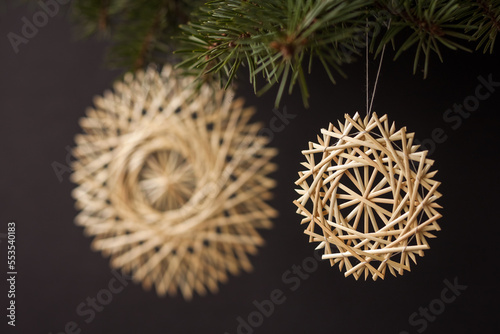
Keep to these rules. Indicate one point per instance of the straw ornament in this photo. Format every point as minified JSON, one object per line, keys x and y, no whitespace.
{"x":173,"y":182}
{"x":368,"y":197}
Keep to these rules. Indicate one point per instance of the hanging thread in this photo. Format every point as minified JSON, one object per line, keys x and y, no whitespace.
{"x":369,"y":103}
{"x":367,"y":69}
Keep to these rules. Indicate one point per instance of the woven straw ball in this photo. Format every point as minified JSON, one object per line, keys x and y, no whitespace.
{"x":172,"y":182}
{"x":368,"y":196}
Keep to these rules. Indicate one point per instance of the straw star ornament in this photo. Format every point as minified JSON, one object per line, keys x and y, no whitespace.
{"x":173,"y":182}
{"x":368,"y":197}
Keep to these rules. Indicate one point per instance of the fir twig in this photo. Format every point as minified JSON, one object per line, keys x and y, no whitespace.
{"x":140,"y":31}
{"x":272,"y":39}
{"x":488,"y":21}
{"x":276,"y":38}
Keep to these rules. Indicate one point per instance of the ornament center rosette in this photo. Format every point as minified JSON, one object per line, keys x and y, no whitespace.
{"x":159,"y":177}
{"x":368,"y":196}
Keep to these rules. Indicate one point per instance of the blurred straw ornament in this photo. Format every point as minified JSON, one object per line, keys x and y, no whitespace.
{"x":173,"y":182}
{"x":368,"y":196}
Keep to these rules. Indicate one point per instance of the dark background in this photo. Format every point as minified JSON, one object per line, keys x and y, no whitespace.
{"x":44,"y":90}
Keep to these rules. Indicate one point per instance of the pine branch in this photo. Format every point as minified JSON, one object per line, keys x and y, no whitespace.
{"x":488,"y":19}
{"x":273,"y":39}
{"x":431,"y":23}
{"x":140,"y":30}
{"x":147,"y":42}
{"x":93,"y":16}
{"x":103,"y":15}
{"x":277,"y":39}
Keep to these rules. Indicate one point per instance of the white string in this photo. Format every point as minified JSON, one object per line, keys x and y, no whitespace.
{"x":366,"y":70}
{"x":369,"y":109}
{"x":376,"y":80}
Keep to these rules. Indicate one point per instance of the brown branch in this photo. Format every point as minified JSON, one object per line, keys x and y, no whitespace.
{"x":103,"y":15}
{"x":141,"y":59}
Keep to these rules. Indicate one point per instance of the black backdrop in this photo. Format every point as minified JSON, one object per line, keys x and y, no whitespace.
{"x":44,"y":90}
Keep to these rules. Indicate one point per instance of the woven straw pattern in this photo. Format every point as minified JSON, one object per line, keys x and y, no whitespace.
{"x":368,"y":196}
{"x":173,"y":182}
